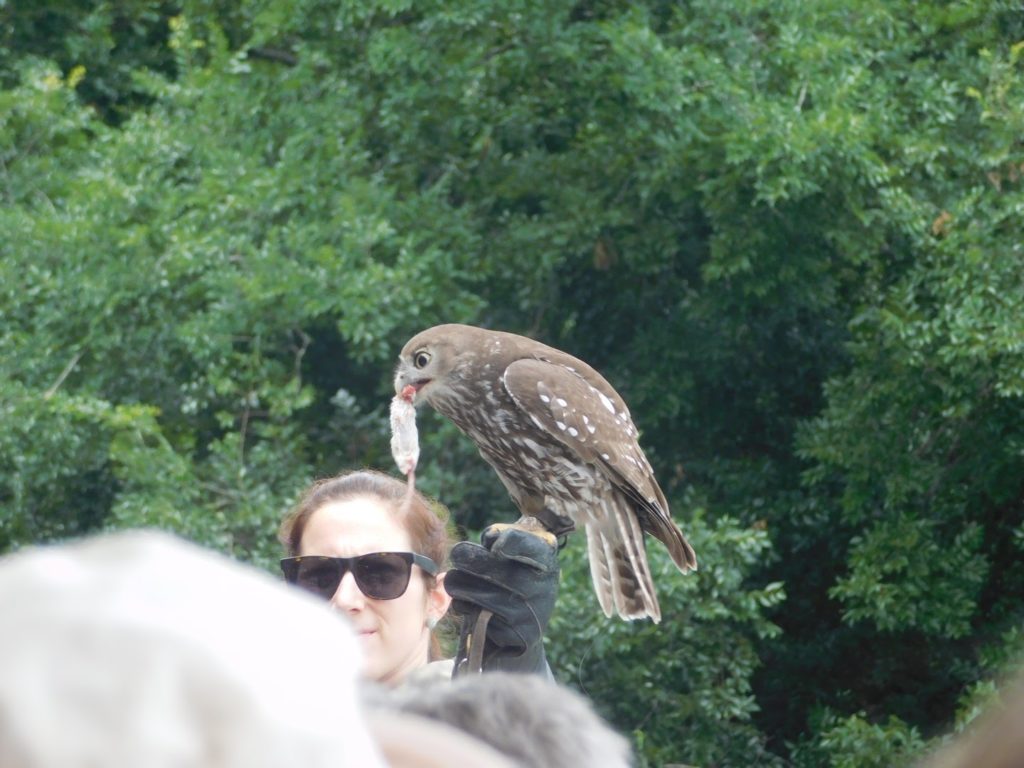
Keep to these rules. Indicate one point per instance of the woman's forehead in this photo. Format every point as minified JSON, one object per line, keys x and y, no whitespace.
{"x":354,"y":527}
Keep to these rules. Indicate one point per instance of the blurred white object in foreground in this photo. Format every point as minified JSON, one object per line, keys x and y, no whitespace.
{"x":138,"y":649}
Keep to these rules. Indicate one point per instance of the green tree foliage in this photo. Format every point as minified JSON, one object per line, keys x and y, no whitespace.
{"x":855,"y":742}
{"x":115,"y":40}
{"x":789,"y":233}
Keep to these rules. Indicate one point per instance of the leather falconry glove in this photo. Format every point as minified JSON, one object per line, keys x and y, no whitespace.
{"x":504,"y":590}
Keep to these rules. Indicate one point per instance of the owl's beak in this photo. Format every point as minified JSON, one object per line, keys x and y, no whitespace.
{"x":407,"y":385}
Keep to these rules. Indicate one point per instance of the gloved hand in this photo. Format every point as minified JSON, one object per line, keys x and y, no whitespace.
{"x":514,"y":574}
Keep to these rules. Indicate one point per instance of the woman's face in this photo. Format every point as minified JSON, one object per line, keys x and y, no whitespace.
{"x":393,"y":633}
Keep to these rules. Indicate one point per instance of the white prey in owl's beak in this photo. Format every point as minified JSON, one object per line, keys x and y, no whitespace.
{"x":405,"y":446}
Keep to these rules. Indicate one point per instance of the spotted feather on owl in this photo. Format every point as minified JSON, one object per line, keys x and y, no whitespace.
{"x":563,"y":443}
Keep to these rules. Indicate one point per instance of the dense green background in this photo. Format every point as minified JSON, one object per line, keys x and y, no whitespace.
{"x":791,"y":233}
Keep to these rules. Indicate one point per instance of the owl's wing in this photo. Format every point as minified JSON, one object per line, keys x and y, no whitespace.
{"x":592,"y":420}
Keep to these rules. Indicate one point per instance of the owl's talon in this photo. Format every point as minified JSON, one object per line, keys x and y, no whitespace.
{"x":558,"y":525}
{"x":528,"y":524}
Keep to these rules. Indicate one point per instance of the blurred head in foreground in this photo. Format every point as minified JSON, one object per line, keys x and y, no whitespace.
{"x":137,"y":649}
{"x":994,"y":740}
{"x":535,"y":722}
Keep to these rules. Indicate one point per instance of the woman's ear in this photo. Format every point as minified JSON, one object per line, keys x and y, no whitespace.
{"x":438,"y":600}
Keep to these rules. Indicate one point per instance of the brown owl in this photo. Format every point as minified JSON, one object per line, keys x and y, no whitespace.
{"x":563,"y":443}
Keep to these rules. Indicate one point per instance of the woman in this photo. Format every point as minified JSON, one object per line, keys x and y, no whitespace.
{"x":357,"y":541}
{"x":393,"y":591}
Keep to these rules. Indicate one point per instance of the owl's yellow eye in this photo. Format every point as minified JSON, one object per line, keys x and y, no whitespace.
{"x":421,"y":359}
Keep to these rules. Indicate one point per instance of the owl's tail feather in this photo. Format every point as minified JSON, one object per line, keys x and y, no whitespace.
{"x":667,"y":532}
{"x":618,"y":564}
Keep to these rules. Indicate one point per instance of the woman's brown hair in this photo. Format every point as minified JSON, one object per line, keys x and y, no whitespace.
{"x":426,"y":520}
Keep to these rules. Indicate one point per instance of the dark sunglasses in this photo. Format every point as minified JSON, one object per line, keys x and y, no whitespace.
{"x":379,"y":575}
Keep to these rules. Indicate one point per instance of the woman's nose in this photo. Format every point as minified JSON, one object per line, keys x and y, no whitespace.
{"x":348,"y":596}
